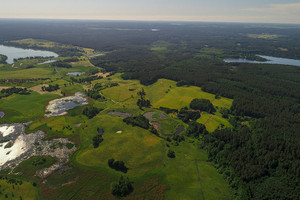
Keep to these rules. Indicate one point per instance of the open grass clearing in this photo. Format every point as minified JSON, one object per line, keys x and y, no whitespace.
{"x":181,"y":175}
{"x":138,"y":148}
{"x":180,"y":97}
{"x":27,"y":73}
{"x":15,"y":191}
{"x":23,"y":108}
{"x":212,"y":122}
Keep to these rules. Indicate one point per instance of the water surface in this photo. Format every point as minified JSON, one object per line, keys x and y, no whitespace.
{"x":75,"y":73}
{"x":15,"y":53}
{"x":270,"y":60}
{"x":48,"y":62}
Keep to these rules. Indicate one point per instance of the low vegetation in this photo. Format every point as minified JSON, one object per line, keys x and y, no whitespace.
{"x":90,"y":111}
{"x":121,"y":188}
{"x":202,"y":105}
{"x":9,"y":91}
{"x":97,"y":140}
{"x":50,"y":88}
{"x":117,"y":165}
{"x":139,"y":120}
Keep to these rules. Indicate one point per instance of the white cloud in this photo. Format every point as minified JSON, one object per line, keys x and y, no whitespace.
{"x":282,"y":9}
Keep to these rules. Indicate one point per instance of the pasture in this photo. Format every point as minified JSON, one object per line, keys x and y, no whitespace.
{"x":23,"y":108}
{"x":16,"y":191}
{"x":27,"y":73}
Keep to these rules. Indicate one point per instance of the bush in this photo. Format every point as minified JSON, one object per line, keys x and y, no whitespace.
{"x":178,"y":138}
{"x":97,"y":140}
{"x":203,"y":105}
{"x":168,"y":110}
{"x":186,"y":115}
{"x":195,"y":129}
{"x":153,"y":130}
{"x":139,"y":120}
{"x":90,"y":112}
{"x":61,"y":64}
{"x":121,"y":188}
{"x":117,"y":165}
{"x":50,"y":88}
{"x":181,"y":83}
{"x":171,"y":154}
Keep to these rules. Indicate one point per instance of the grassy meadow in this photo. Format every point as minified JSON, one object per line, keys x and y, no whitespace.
{"x":23,"y":108}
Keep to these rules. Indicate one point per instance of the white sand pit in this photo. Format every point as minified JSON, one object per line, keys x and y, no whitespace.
{"x":6,"y":130}
{"x":17,"y":146}
{"x":58,"y":107}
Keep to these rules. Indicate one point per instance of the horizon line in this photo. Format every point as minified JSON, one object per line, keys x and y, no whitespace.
{"x":144,"y":20}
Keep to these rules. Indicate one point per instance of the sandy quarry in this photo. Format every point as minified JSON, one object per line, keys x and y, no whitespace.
{"x":17,"y":146}
{"x":58,"y":107}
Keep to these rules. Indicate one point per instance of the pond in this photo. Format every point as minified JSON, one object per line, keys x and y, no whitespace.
{"x":75,"y":73}
{"x":270,"y":60}
{"x":96,"y":55}
{"x":15,"y":53}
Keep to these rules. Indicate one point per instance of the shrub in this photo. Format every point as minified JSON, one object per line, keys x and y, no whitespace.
{"x":195,"y":129}
{"x":97,"y":140}
{"x":121,"y":188}
{"x":203,"y":105}
{"x":90,"y":112}
{"x":117,"y":165}
{"x":139,"y":120}
{"x":185,"y":115}
{"x":171,"y":154}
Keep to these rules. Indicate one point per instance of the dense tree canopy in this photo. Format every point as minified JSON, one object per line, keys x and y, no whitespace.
{"x":202,"y":105}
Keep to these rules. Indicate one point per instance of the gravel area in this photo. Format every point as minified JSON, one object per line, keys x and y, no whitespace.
{"x":120,"y":114}
{"x":17,"y":146}
{"x":58,"y":107}
{"x":149,"y":115}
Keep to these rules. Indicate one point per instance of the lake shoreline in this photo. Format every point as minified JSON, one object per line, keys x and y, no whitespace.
{"x":270,"y":60}
{"x":17,"y":52}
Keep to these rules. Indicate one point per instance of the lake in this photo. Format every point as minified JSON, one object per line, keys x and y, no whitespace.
{"x":14,"y":52}
{"x":270,"y":60}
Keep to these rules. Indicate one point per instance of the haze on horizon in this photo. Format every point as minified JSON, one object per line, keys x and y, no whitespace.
{"x":266,"y":11}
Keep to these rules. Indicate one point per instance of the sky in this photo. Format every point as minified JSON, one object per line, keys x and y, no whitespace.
{"x":265,"y":11}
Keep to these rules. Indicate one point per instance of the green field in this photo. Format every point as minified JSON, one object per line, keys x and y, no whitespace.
{"x":23,"y":108}
{"x":16,"y":191}
{"x":137,"y":147}
{"x":179,"y":97}
{"x":212,"y":122}
{"x":160,"y":46}
{"x":190,"y":176}
{"x":165,"y":93}
{"x":145,"y":155}
{"x":27,"y":73}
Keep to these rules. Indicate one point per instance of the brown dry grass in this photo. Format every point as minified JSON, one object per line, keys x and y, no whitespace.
{"x":104,"y":75}
{"x":38,"y":88}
